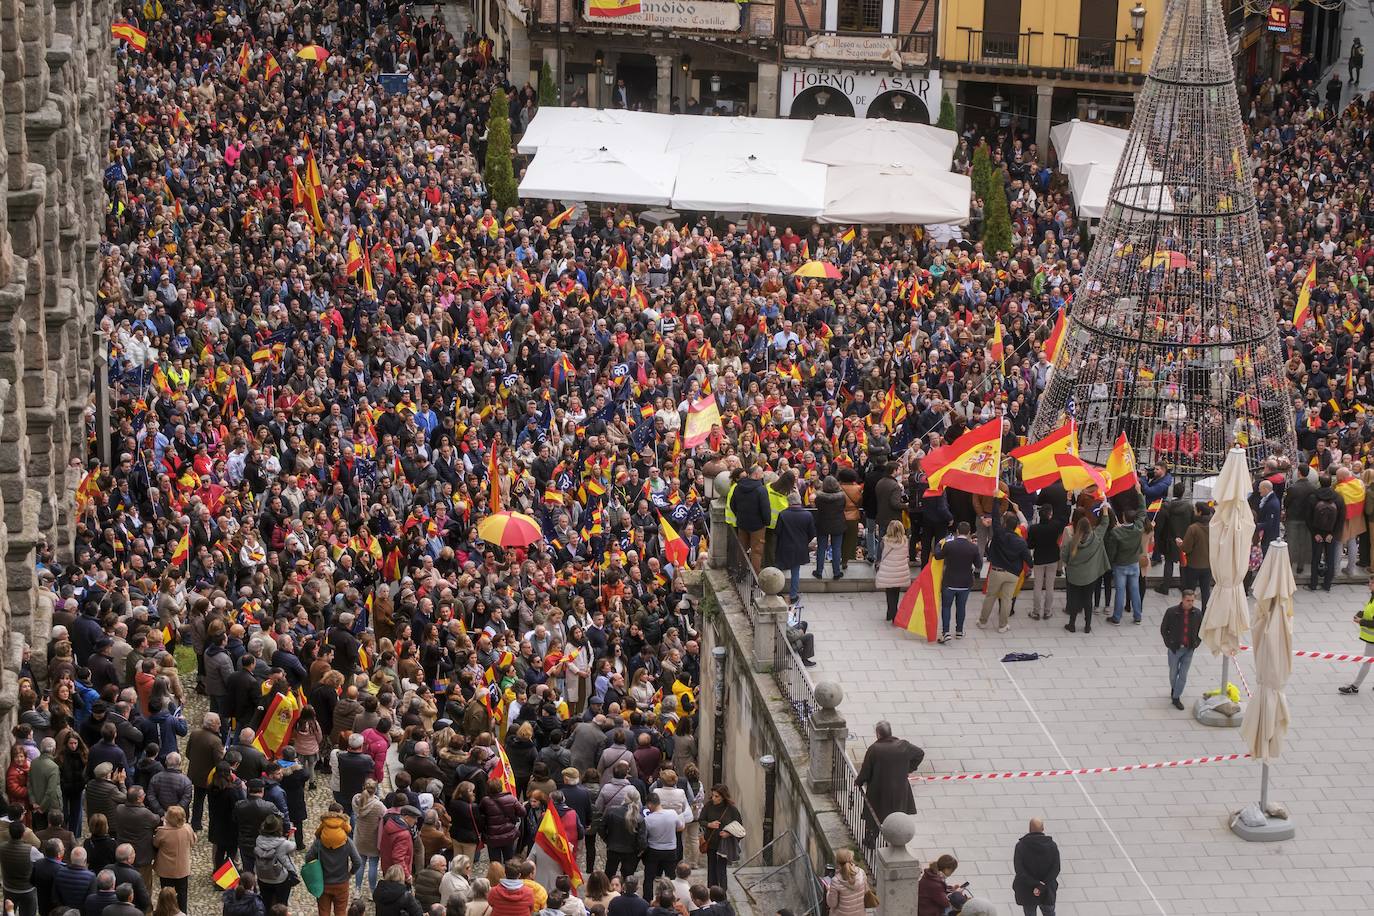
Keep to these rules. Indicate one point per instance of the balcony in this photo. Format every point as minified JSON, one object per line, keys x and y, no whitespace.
{"x":1035,"y":54}
{"x":913,"y":49}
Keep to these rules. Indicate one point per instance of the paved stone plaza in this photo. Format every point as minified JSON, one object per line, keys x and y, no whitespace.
{"x":1154,"y":842}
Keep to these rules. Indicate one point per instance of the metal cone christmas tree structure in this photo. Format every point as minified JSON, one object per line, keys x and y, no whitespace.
{"x":1173,"y":337}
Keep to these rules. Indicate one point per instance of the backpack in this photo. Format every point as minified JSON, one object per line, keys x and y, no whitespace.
{"x":1324,"y":516}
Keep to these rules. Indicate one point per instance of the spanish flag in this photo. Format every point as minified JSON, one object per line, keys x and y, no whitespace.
{"x":1038,"y":469}
{"x":502,"y":774}
{"x":607,"y":9}
{"x":554,"y":840}
{"x":362,"y":656}
{"x":271,"y":68}
{"x":226,"y":876}
{"x":278,"y":722}
{"x":134,"y":37}
{"x":1302,"y":312}
{"x":917,"y":611}
{"x":245,"y":59}
{"x":1055,"y":342}
{"x":848,"y":237}
{"x":971,"y":464}
{"x":997,"y":350}
{"x":1352,"y":492}
{"x":674,"y":547}
{"x":160,"y":381}
{"x":494,"y":478}
{"x":182,"y":552}
{"x":702,"y":417}
{"x":562,"y":218}
{"x":1077,"y":474}
{"x":1121,"y":467}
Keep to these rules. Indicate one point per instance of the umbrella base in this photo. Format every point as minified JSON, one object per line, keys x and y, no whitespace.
{"x":1273,"y":830}
{"x":1205,"y":712}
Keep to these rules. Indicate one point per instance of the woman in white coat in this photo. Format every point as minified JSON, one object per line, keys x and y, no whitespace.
{"x":894,"y":572}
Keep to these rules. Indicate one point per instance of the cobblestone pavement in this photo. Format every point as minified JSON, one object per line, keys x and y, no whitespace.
{"x":1153,"y":842}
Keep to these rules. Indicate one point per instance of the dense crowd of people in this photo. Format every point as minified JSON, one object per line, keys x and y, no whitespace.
{"x":333,"y":356}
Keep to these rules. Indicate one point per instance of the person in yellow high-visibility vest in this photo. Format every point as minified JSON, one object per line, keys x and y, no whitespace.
{"x":777,"y":490}
{"x":1365,"y":621}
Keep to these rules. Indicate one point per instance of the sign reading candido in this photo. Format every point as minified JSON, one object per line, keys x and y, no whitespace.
{"x":678,"y":14}
{"x":1278,"y":17}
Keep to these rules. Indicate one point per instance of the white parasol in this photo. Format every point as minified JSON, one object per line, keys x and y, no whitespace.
{"x":1229,"y":535}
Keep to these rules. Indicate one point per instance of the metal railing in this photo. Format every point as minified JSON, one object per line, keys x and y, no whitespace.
{"x":741,"y":573}
{"x":1094,"y":55}
{"x":999,"y":48}
{"x":780,"y":876}
{"x":854,"y":808}
{"x":922,"y":43}
{"x":794,"y":680}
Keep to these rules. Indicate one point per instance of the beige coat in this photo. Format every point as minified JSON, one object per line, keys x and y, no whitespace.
{"x":173,"y":846}
{"x":893,"y":569}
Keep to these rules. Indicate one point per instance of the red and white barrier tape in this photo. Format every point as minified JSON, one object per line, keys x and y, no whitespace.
{"x":1085,"y":771}
{"x":1327,"y":656}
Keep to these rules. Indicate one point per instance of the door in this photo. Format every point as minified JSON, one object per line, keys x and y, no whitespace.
{"x":1097,"y":33}
{"x":1002,"y":29}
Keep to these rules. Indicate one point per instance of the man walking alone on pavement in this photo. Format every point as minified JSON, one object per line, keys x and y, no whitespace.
{"x":1036,"y":862}
{"x":1365,"y":620}
{"x":1182,"y":632}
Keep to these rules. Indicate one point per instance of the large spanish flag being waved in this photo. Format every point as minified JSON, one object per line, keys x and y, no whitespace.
{"x":131,"y":35}
{"x":605,"y":9}
{"x":702,"y":417}
{"x":1121,"y":467}
{"x":553,"y":838}
{"x":1038,"y":469}
{"x":917,"y":612}
{"x":970,"y":464}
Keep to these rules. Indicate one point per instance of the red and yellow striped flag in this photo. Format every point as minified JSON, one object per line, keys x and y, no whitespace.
{"x":134,"y":37}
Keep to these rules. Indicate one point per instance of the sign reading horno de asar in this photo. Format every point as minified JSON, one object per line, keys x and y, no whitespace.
{"x":677,"y":14}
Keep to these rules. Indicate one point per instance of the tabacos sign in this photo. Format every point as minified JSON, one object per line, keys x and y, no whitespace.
{"x":1278,"y":17}
{"x":859,"y":87}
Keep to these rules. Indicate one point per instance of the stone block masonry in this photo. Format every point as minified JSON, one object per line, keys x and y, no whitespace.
{"x":55,"y":68}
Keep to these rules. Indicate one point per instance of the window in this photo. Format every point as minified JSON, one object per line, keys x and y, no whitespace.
{"x":860,"y":15}
{"x":1097,"y":32}
{"x":1002,"y":29}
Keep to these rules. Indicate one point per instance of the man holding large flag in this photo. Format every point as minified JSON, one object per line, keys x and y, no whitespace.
{"x":555,"y":845}
{"x":278,"y":718}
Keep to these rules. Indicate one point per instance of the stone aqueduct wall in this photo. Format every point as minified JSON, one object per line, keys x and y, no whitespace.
{"x":56,"y":68}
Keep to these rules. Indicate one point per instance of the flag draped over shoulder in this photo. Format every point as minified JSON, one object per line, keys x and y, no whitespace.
{"x":278,"y":723}
{"x":701,"y":418}
{"x":494,"y":478}
{"x":1302,"y":312}
{"x":969,"y":464}
{"x":917,"y":611}
{"x":553,"y":839}
{"x":1352,"y":493}
{"x":1038,"y":469}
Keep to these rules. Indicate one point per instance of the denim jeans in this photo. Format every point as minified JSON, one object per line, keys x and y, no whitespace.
{"x":794,"y":583}
{"x":1179,"y":661}
{"x":370,"y":864}
{"x":831,"y":543}
{"x":1126,"y":580}
{"x":950,"y":597}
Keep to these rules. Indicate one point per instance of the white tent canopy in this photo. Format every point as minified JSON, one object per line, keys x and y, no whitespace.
{"x":1077,"y":142}
{"x":895,"y":193}
{"x":751,"y":185}
{"x":582,"y":128}
{"x":765,"y":138}
{"x":875,"y":141}
{"x":603,"y":175}
{"x":1090,"y":154}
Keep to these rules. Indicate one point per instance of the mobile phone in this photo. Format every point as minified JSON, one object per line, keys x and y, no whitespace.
{"x":830,"y":871}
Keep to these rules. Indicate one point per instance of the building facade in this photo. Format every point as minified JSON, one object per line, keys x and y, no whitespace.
{"x":56,"y":66}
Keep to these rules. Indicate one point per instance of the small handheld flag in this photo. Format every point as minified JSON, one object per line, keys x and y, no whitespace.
{"x":134,"y":37}
{"x":227,"y":876}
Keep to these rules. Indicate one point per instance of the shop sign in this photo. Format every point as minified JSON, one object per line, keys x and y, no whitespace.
{"x":1278,"y":18}
{"x":859,"y":86}
{"x":677,"y":14}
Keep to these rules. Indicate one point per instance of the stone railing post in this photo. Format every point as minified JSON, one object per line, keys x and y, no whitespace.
{"x":767,"y":614}
{"x":898,"y":871}
{"x":720,"y":531}
{"x":829,"y":733}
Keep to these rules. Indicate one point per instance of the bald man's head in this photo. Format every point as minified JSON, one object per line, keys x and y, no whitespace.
{"x":1037,"y":825}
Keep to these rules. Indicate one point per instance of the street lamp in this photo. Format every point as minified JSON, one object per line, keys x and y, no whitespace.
{"x":898,"y":102}
{"x":1092,"y":110}
{"x":1138,"y":23}
{"x":998,"y":102}
{"x":715,"y":84}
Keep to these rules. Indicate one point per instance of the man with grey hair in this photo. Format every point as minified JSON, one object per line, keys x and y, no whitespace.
{"x":134,"y":824}
{"x":125,"y":872}
{"x":45,"y":782}
{"x":355,"y":769}
{"x":170,"y":787}
{"x":73,"y":883}
{"x":884,"y":778}
{"x":102,"y":894}
{"x":427,"y":881}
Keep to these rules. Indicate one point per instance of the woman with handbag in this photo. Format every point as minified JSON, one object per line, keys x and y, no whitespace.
{"x":847,"y":892}
{"x":718,"y":813}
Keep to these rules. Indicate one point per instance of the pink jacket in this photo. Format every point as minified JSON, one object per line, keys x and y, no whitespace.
{"x":376,"y":744}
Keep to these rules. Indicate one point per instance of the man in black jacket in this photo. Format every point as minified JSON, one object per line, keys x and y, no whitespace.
{"x":961,"y":558}
{"x":749,"y":502}
{"x":249,"y":814}
{"x":355,"y":769}
{"x":1325,"y":518}
{"x":244,"y":692}
{"x":1008,"y":557}
{"x":1182,"y":632}
{"x":1036,"y":861}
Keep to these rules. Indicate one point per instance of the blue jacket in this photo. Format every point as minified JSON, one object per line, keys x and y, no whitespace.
{"x":1156,"y":489}
{"x":1269,"y":513}
{"x":72,"y":885}
{"x":168,"y":728}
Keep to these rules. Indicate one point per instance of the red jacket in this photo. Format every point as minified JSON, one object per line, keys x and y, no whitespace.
{"x":395,"y":843}
{"x":510,"y":901}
